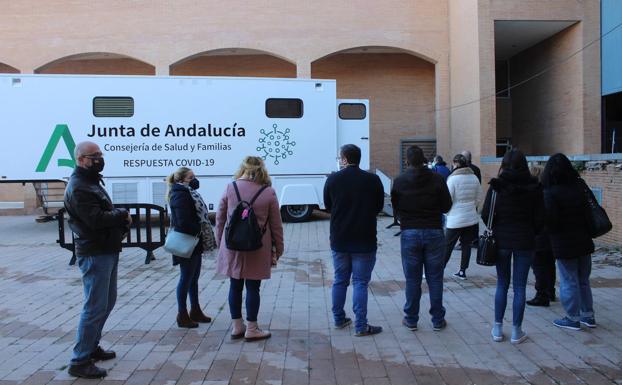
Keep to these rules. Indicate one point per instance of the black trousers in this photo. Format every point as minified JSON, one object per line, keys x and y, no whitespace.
{"x":466,"y":236}
{"x":544,"y":270}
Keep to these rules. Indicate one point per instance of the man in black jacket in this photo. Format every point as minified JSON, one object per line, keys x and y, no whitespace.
{"x":99,"y":229}
{"x":420,"y":197}
{"x":354,"y":198}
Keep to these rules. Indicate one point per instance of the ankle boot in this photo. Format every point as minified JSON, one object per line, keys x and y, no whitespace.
{"x":238,"y":329}
{"x":184,"y":321}
{"x":196,"y":314}
{"x":253,"y":333}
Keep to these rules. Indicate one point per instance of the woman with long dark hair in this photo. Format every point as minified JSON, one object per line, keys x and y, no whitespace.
{"x":565,"y":202}
{"x":517,"y":218}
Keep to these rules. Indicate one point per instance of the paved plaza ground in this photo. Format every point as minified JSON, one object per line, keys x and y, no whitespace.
{"x":41,"y":297}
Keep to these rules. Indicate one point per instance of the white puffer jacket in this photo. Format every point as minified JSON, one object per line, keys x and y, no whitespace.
{"x":466,"y":192}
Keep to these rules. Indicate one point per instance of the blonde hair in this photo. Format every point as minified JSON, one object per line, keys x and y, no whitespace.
{"x":176,"y":177}
{"x":254,"y":168}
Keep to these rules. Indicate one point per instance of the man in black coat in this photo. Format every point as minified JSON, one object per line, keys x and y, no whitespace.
{"x":99,"y":229}
{"x":420,"y":198}
{"x":354,"y":198}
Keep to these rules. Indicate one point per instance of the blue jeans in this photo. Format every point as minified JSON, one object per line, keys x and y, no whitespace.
{"x":423,"y":249}
{"x":575,"y":292}
{"x":236,"y":286}
{"x":99,"y":278}
{"x":522,"y":263}
{"x":358,"y":266}
{"x":188,"y":285}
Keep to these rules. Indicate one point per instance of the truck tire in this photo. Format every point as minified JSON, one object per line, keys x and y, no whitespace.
{"x":296,"y":213}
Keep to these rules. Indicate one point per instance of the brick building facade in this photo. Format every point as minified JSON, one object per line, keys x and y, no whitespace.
{"x":429,"y":68}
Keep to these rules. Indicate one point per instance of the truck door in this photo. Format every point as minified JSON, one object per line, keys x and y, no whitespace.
{"x":353,"y":126}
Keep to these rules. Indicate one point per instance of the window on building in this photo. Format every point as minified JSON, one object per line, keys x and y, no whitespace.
{"x":284,"y":108}
{"x":352,"y":111}
{"x":502,"y":78}
{"x":113,"y":106}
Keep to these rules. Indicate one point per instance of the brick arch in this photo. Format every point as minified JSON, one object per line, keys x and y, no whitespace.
{"x":97,"y":63}
{"x":235,"y":62}
{"x":426,"y":55}
{"x":401,"y":89}
{"x":7,"y":69}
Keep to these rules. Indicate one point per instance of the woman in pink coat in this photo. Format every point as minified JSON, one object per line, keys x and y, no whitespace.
{"x":249,"y":267}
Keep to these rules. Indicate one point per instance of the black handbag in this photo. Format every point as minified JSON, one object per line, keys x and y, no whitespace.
{"x":487,"y":246}
{"x":597,"y":219}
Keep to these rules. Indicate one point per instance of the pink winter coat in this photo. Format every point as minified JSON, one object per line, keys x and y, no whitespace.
{"x":255,"y":264}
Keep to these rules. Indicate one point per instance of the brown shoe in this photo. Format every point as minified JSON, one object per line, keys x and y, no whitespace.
{"x":196,"y":314}
{"x":184,"y":321}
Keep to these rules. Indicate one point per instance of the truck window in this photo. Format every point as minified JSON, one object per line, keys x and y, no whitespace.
{"x":113,"y":106}
{"x":352,"y":111}
{"x":125,"y":192}
{"x":284,"y":108}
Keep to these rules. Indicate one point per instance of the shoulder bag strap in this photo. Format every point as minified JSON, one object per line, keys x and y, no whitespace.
{"x":265,"y":225}
{"x":491,"y":213}
{"x":257,"y":195}
{"x":237,"y":192}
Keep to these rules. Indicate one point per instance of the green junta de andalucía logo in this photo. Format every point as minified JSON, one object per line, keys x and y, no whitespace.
{"x":60,"y":132}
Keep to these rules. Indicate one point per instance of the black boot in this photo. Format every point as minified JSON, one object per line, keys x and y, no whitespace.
{"x":184,"y":321}
{"x":102,"y":355}
{"x":87,"y":370}
{"x":539,"y":300}
{"x":196,"y":314}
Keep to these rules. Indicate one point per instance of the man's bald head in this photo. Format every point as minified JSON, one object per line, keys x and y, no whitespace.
{"x":83,"y":150}
{"x":467,"y":155}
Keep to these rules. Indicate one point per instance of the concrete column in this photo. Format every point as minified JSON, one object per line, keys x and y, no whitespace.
{"x":303,"y":69}
{"x":162,"y":69}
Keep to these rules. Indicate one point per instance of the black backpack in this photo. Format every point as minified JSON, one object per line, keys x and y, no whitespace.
{"x":243,"y":232}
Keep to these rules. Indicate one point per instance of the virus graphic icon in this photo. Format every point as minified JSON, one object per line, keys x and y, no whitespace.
{"x":275,"y":144}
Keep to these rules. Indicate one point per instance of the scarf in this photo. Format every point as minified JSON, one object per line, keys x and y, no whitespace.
{"x":207,"y":233}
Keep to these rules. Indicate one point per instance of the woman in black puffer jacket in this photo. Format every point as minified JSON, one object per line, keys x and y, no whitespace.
{"x":518,"y":216}
{"x":565,"y":201}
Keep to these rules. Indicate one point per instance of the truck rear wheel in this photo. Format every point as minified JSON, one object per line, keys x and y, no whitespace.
{"x":296,"y":213}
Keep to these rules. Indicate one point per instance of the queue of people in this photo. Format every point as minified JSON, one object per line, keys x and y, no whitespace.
{"x":539,"y":217}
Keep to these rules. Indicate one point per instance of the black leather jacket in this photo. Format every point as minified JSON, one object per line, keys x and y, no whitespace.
{"x":98,"y":226}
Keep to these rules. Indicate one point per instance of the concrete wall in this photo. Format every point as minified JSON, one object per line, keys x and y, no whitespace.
{"x":400,"y":89}
{"x":547,"y":114}
{"x":465,"y":77}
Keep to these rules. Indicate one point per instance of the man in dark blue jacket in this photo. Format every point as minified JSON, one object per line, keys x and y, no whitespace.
{"x":354,"y":197}
{"x":99,"y":229}
{"x":420,"y":198}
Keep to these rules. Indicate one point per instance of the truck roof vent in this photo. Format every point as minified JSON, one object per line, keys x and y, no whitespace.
{"x":113,"y":106}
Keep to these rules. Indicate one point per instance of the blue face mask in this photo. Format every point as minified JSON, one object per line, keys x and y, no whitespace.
{"x":194,"y":184}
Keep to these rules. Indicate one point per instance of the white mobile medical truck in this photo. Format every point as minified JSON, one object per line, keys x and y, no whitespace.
{"x":149,"y":126}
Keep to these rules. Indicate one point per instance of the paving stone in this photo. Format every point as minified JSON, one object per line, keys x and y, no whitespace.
{"x":41,"y":298}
